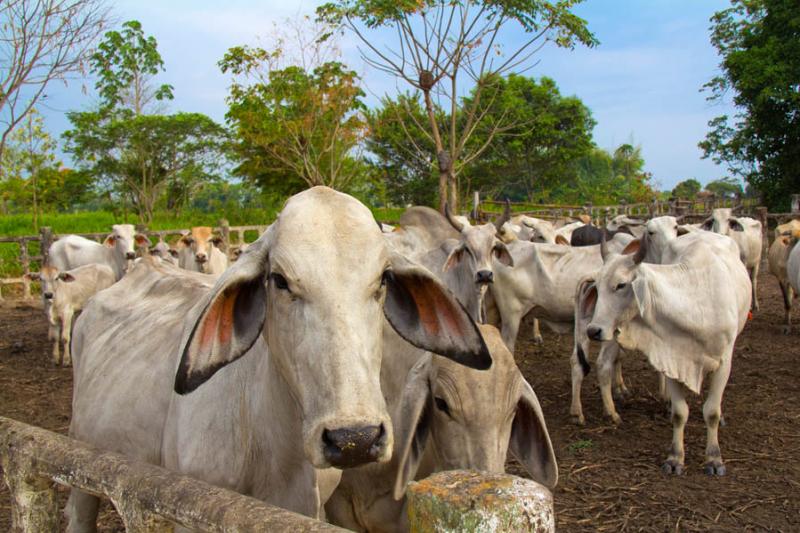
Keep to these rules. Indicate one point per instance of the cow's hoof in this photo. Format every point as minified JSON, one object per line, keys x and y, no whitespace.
{"x":615,"y":418}
{"x":537,"y":339}
{"x":578,"y":420}
{"x":787,"y":330}
{"x":722,"y":422}
{"x":672,"y":467}
{"x":621,"y":394}
{"x":715,"y":468}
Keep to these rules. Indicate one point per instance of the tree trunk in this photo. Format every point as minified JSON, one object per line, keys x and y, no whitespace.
{"x":453,"y":181}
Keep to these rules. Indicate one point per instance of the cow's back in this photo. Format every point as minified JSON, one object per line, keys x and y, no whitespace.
{"x":73,"y":251}
{"x":125,"y":350}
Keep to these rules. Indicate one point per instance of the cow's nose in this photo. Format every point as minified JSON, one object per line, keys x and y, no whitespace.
{"x":48,"y":295}
{"x":595,"y":333}
{"x":484,"y":276}
{"x":201,"y":258}
{"x":130,"y":255}
{"x":348,"y":447}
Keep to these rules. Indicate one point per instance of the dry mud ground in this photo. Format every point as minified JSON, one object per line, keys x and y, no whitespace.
{"x":610,"y":476}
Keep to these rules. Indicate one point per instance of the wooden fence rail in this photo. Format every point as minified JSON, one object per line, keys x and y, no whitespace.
{"x":46,"y":237}
{"x":150,"y":499}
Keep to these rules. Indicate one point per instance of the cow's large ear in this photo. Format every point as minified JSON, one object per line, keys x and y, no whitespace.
{"x":587,"y":298}
{"x":639,"y":286}
{"x":415,"y":416}
{"x":502,"y":254}
{"x":142,"y":240}
{"x":455,"y":257}
{"x":427,"y":315}
{"x":231,"y":319}
{"x":530,"y":442}
{"x":110,"y":241}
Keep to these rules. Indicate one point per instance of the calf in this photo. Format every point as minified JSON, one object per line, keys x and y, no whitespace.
{"x":117,"y":251}
{"x":446,"y":417}
{"x":746,"y":233}
{"x":778,"y":257}
{"x":198,"y":252}
{"x":65,"y":293}
{"x":685,"y":315}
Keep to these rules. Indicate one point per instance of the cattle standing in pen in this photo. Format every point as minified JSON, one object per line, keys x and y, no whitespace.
{"x":746,"y":233}
{"x":276,"y":366}
{"x":64,"y":294}
{"x":198,"y":251}
{"x":117,"y":251}
{"x":778,"y":257}
{"x":685,"y":315}
{"x":446,"y":417}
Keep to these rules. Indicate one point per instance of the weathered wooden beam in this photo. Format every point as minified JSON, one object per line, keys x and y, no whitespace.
{"x":459,"y":500}
{"x":147,"y":496}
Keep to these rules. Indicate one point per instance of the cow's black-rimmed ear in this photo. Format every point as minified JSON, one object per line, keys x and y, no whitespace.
{"x":456,"y":256}
{"x":502,"y":254}
{"x":427,"y":315}
{"x":66,"y":276}
{"x":230,"y":319}
{"x":707,"y":224}
{"x":735,"y":225}
{"x":530,"y":441}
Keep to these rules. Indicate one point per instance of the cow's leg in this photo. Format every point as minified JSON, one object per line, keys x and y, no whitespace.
{"x":537,"y":333}
{"x":66,"y":335}
{"x":620,"y":389}
{"x":81,"y":512}
{"x":712,"y":412}
{"x":510,"y":329}
{"x":754,"y":279}
{"x":575,"y":408}
{"x":606,"y":363}
{"x":54,"y":334}
{"x":662,"y":387}
{"x":680,"y":413}
{"x":788,"y":295}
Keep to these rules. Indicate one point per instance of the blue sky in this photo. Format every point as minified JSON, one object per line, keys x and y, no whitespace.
{"x":642,"y":82}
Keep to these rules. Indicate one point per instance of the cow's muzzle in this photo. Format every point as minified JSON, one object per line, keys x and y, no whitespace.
{"x":595,"y":333}
{"x":48,"y":295}
{"x":201,"y":258}
{"x":349,"y":447}
{"x":130,"y":256}
{"x":484,"y":276}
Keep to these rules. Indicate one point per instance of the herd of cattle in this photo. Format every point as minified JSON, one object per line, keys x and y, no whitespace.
{"x":336,"y":359}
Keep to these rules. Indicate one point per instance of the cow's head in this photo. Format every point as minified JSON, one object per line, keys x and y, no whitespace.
{"x":722,"y":221}
{"x":316,"y":285}
{"x":660,"y":231}
{"x":50,"y":279}
{"x":472,"y":418}
{"x":541,"y":231}
{"x":478,"y":247}
{"x":164,"y":251}
{"x":200,"y":241}
{"x":620,"y":293}
{"x":124,"y":239}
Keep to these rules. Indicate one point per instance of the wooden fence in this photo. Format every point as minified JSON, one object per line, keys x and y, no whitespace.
{"x":232,"y":236}
{"x":150,"y":499}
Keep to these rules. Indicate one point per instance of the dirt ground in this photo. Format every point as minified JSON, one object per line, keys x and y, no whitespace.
{"x":610,"y":477}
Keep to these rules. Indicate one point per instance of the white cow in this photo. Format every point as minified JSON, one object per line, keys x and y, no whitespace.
{"x":276,"y":366}
{"x":793,"y":263}
{"x":446,"y":417}
{"x":64,"y":294}
{"x":543,"y":231}
{"x":543,"y":280}
{"x":198,"y":252}
{"x":116,"y":251}
{"x":165,"y":252}
{"x":778,"y":257}
{"x":746,"y":232}
{"x":685,"y":315}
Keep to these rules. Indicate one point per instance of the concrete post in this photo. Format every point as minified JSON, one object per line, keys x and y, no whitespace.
{"x":796,"y":204}
{"x":476,"y":205}
{"x":225,"y":233}
{"x":459,"y":500}
{"x":34,"y":506}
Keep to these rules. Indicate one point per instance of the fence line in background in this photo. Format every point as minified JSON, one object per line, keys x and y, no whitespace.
{"x":46,"y":237}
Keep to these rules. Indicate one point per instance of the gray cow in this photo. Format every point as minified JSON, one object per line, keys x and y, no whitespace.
{"x":276,"y":366}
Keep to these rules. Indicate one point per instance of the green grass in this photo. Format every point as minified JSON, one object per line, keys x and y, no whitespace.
{"x":579,"y":445}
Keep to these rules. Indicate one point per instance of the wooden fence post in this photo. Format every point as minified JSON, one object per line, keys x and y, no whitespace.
{"x":459,"y":500}
{"x":34,"y":506}
{"x":25,"y":261}
{"x":761,"y":212}
{"x":225,"y":231}
{"x":45,"y":240}
{"x":796,"y":204}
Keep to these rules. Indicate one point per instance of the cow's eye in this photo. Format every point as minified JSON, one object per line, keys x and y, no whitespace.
{"x":280,"y":282}
{"x":442,"y":405}
{"x":620,"y":286}
{"x":651,"y":232}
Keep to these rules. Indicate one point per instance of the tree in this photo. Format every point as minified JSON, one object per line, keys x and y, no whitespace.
{"x":142,"y":156}
{"x":687,"y":189}
{"x":443,"y":47}
{"x":402,"y":150}
{"x":30,"y":152}
{"x":552,"y":132}
{"x":41,"y":41}
{"x":725,"y":187}
{"x":137,"y":155}
{"x":293,"y":126}
{"x":759,"y":41}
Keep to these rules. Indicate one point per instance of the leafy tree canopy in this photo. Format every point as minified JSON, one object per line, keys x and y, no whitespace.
{"x":687,"y":189}
{"x":759,"y":41}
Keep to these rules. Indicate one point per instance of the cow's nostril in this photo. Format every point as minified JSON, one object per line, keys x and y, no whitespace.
{"x":484,"y":276}
{"x":201,"y":258}
{"x":349,"y":447}
{"x":48,"y":295}
{"x":130,"y":255}
{"x":594,"y":332}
